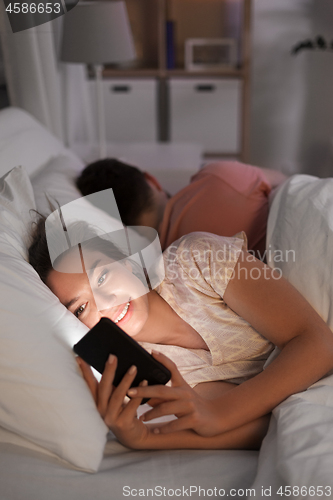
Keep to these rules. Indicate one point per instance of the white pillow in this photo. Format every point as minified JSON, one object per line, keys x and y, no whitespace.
{"x":300,"y":239}
{"x":24,"y":141}
{"x":42,"y":394}
{"x":56,"y":182}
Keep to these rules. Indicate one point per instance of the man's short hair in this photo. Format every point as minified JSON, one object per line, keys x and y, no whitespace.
{"x":133,"y":194}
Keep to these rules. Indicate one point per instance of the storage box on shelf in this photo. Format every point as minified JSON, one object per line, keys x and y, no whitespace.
{"x":206,"y":111}
{"x":130,"y":109}
{"x":160,"y":29}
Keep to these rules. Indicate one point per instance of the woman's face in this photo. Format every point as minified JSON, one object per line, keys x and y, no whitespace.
{"x":107,"y":289}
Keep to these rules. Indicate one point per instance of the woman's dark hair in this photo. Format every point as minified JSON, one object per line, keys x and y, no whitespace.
{"x":132,"y":192}
{"x":39,"y":256}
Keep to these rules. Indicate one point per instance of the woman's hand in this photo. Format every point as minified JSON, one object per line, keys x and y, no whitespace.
{"x":193,"y":411}
{"x":119,"y":416}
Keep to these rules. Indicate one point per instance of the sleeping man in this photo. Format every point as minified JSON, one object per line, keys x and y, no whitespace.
{"x":223,"y":198}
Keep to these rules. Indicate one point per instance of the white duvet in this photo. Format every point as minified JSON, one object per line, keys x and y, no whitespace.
{"x":296,"y":458}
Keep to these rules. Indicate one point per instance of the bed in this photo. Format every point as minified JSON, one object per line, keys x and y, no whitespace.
{"x":52,"y":440}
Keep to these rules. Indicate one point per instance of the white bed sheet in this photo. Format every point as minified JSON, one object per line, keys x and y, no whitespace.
{"x":298,"y":449}
{"x":31,"y":475}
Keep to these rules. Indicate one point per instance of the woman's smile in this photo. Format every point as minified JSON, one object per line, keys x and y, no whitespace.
{"x":125,"y":313}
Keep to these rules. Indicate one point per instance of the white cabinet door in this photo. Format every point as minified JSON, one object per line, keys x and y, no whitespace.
{"x":206,"y":111}
{"x":130,"y":109}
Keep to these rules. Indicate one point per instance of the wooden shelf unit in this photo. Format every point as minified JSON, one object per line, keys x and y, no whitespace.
{"x":192,"y":19}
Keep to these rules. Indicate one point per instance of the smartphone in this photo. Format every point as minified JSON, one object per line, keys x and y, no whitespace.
{"x":107,"y":338}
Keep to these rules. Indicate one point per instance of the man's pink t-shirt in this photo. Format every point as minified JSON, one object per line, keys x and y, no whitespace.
{"x":223,"y":198}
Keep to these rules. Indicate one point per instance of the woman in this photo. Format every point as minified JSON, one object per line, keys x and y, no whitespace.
{"x":218,"y":301}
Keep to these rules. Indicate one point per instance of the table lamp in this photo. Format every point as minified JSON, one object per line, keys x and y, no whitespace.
{"x":97,"y":33}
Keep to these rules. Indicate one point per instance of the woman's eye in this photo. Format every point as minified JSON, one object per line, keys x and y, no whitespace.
{"x":101,"y":279}
{"x":80,"y":310}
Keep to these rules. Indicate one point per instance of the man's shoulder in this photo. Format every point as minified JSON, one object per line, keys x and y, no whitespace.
{"x":225,"y":169}
{"x":239,"y":176}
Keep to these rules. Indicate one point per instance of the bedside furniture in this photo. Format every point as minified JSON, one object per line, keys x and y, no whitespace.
{"x":160,"y":57}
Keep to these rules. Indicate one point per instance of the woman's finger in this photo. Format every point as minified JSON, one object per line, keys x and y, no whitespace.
{"x":105,"y":386}
{"x":88,"y":377}
{"x":161,"y":392}
{"x":129,"y":412}
{"x":119,"y":393}
{"x":176,"y":377}
{"x":177,"y":408}
{"x":179,"y":424}
{"x":154,"y":402}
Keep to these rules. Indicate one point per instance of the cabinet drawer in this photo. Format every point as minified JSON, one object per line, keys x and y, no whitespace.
{"x":206,"y":111}
{"x":130,"y":109}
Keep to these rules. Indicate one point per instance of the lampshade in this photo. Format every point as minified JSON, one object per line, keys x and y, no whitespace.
{"x":97,"y":33}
